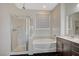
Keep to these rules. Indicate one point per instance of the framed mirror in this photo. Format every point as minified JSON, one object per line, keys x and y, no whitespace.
{"x":73,"y":24}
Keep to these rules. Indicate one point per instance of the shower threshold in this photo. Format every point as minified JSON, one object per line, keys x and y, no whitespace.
{"x":17,"y":53}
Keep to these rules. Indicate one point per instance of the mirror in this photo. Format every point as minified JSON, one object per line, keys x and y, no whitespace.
{"x":73,"y":24}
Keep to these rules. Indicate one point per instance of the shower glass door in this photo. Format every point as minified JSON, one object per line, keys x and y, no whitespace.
{"x":19,"y":34}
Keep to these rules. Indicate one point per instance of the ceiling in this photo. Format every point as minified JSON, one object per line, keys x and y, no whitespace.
{"x":37,"y":6}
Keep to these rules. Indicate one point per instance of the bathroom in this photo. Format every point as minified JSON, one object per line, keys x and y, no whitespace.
{"x":34,"y":28}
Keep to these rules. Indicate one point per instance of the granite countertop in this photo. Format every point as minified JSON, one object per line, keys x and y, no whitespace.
{"x":73,"y":39}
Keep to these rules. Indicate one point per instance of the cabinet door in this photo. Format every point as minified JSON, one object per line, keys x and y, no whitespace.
{"x":66,"y":48}
{"x":59,"y":46}
{"x":75,"y":49}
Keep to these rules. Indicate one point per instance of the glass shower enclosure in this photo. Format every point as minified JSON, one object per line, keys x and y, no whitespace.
{"x":20,"y":33}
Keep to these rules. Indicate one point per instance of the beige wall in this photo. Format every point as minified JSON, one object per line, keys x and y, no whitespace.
{"x":55,"y":20}
{"x":58,"y":20}
{"x":5,"y":42}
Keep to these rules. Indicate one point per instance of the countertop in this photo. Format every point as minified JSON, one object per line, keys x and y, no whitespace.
{"x":73,"y":39}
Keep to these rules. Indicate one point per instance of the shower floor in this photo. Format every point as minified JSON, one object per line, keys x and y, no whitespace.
{"x":19,"y":49}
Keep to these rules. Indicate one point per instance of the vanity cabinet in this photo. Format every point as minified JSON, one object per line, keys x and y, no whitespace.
{"x":67,"y":48}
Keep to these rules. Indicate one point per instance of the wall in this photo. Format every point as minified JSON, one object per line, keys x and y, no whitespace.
{"x":58,"y":20}
{"x":55,"y":21}
{"x":5,"y":42}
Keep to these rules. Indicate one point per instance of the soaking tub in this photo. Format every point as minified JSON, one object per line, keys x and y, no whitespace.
{"x":43,"y":45}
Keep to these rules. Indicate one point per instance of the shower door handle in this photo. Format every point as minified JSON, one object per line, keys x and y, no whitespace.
{"x":14,"y":30}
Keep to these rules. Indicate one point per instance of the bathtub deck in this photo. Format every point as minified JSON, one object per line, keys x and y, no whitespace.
{"x":44,"y":45}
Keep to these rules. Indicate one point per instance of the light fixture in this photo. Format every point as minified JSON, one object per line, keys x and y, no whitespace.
{"x":24,"y":6}
{"x":21,"y":6}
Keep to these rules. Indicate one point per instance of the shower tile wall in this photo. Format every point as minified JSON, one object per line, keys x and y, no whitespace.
{"x":55,"y":21}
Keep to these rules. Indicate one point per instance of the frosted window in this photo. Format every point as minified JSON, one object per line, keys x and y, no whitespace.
{"x":42,"y":21}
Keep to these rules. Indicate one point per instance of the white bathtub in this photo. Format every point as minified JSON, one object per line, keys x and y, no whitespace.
{"x":44,"y":45}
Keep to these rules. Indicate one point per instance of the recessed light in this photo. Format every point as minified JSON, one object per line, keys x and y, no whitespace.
{"x":44,"y":6}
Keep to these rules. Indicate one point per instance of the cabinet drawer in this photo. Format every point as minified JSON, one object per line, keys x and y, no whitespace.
{"x":75,"y":44}
{"x":74,"y":53}
{"x":75,"y":48}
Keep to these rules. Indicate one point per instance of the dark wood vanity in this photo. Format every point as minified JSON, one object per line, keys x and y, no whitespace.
{"x":66,"y":47}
